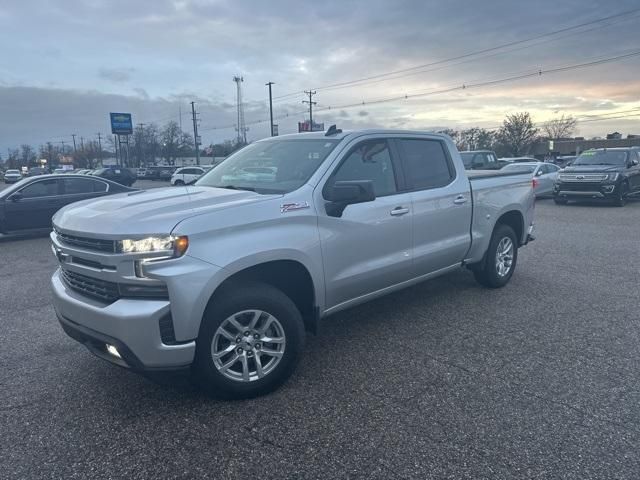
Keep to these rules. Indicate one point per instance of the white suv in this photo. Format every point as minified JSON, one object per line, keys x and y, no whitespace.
{"x":187,"y":175}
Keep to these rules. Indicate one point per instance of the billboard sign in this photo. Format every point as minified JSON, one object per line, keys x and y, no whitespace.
{"x":306,"y":127}
{"x":121,"y":123}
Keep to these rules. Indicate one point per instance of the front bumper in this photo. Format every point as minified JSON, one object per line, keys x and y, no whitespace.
{"x":577,"y":190}
{"x":131,"y":325}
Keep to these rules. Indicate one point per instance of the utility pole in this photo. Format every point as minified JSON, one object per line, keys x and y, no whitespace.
{"x":115,"y":147}
{"x":141,"y":150}
{"x":180,"y":116}
{"x":270,"y":106}
{"x":100,"y":147}
{"x":195,"y":132}
{"x":49,"y":149}
{"x":74,"y":143}
{"x":311,"y":104}
{"x":82,"y":143}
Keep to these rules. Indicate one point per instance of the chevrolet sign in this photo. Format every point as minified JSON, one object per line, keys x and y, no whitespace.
{"x":121,"y":123}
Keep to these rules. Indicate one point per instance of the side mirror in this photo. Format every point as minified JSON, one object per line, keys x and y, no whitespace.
{"x":633,"y":163}
{"x":347,"y":192}
{"x":16,"y":197}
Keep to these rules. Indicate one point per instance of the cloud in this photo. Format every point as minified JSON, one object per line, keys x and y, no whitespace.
{"x":363,"y":113}
{"x":118,"y":75}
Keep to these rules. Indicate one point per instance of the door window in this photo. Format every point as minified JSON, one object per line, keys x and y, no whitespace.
{"x":43,"y":188}
{"x":78,"y":185}
{"x":425,"y":163}
{"x":370,"y":161}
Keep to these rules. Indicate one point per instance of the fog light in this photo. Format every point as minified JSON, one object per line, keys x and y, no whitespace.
{"x":113,"y":351}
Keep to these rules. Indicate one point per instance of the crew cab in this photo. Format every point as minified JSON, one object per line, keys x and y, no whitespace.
{"x":223,"y":278}
{"x":604,"y":174}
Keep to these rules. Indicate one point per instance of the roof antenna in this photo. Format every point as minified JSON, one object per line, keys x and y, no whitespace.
{"x":332,"y":130}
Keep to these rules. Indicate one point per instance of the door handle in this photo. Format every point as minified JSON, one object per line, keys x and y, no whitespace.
{"x":399,"y":211}
{"x":460,"y":199}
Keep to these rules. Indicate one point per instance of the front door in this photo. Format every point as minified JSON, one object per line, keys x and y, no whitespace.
{"x":35,"y":206}
{"x":368,"y":247}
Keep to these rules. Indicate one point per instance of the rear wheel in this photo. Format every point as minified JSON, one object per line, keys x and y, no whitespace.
{"x":249,"y":344}
{"x":621,"y":197}
{"x":179,"y":183}
{"x":560,"y":201}
{"x":500,"y":260}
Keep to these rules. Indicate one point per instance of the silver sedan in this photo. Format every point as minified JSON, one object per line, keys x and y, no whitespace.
{"x":544,"y":173}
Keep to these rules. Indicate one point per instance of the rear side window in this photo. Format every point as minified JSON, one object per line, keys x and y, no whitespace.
{"x":425,"y":163}
{"x":77,"y":185}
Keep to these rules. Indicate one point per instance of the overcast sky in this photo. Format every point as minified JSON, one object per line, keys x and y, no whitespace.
{"x":67,"y":63}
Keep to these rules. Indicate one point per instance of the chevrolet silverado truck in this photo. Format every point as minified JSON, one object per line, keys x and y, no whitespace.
{"x":224,"y":278}
{"x":601,"y":174}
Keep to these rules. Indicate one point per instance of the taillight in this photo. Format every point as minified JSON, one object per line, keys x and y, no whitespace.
{"x":534,"y":183}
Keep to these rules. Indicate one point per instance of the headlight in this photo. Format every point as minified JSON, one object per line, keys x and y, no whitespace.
{"x":176,"y":246}
{"x":613,"y":176}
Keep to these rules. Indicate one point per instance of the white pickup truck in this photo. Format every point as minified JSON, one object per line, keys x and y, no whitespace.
{"x":223,"y":278}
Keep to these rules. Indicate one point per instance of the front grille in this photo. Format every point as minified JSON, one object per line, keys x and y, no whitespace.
{"x":92,"y":287}
{"x":582,"y":177}
{"x":88,"y":243}
{"x":580,"y":187}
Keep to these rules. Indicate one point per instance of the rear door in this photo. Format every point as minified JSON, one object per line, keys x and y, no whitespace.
{"x":39,"y":201}
{"x":634,"y":172}
{"x":548,"y":177}
{"x":442,"y":205}
{"x":368,"y":247}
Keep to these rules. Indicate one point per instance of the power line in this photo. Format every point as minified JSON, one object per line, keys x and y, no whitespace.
{"x":466,"y":86}
{"x":466,"y":55}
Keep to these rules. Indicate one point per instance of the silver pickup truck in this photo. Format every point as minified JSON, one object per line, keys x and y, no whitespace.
{"x":224,"y":278}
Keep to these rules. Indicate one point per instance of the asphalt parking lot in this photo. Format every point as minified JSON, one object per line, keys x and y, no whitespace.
{"x":540,"y":379}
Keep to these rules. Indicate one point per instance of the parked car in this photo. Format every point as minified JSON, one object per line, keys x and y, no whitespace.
{"x":604,"y":173}
{"x":83,"y":171}
{"x":227,"y":276}
{"x":481,"y":160}
{"x":33,"y":171}
{"x":30,"y":203}
{"x":12,"y":176}
{"x":509,"y":160}
{"x":564,"y":161}
{"x":543,"y":175}
{"x":141,"y":173}
{"x":120,"y":175}
{"x":60,"y":171}
{"x":186,"y":175}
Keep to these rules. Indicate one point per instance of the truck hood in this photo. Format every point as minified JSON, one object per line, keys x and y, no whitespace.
{"x":593,"y":168}
{"x":145,"y":212}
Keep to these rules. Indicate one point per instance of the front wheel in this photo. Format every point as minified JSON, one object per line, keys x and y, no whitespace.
{"x":500,"y":260}
{"x":249,"y":343}
{"x":621,"y":197}
{"x":178,"y":183}
{"x":560,"y":201}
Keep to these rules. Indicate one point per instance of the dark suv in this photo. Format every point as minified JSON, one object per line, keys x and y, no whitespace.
{"x":603,"y":173}
{"x":120,"y":175}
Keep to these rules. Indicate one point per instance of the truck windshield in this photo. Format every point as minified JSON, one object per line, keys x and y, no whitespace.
{"x":275,"y":166}
{"x":602,"y":157}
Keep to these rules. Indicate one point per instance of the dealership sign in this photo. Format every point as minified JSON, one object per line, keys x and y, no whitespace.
{"x":121,"y":123}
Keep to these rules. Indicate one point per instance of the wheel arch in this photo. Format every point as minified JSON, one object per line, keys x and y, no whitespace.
{"x":290,"y":276}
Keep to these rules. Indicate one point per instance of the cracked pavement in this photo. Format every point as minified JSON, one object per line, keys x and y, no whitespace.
{"x":540,"y":379}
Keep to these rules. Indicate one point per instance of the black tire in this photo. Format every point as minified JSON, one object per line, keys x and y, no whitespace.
{"x":178,"y":183}
{"x":236,"y":299}
{"x":486,"y":272}
{"x":621,"y":197}
{"x":560,"y":201}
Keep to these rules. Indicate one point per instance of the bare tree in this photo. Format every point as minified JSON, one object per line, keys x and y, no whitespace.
{"x":27,"y":155}
{"x":517,"y":133}
{"x":561,"y":127}
{"x":476,"y":139}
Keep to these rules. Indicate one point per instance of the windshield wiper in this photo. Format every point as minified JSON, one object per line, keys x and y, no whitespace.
{"x":234,"y":187}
